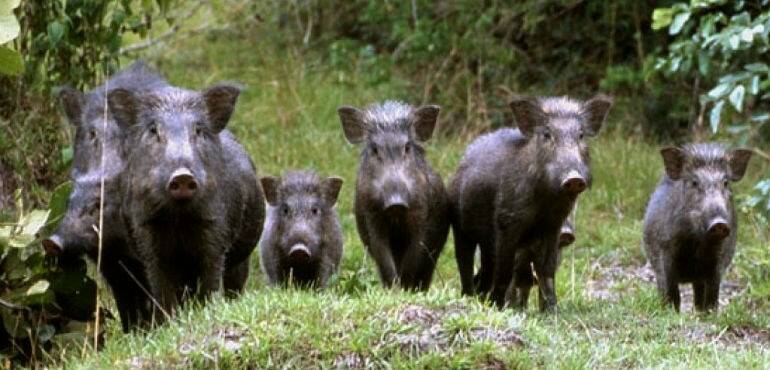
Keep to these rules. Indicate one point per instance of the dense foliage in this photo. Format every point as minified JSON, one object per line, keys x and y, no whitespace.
{"x":61,"y":42}
{"x":49,"y":43}
{"x":43,"y":302}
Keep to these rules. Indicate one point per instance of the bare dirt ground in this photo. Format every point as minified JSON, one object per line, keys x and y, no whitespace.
{"x":614,"y":281}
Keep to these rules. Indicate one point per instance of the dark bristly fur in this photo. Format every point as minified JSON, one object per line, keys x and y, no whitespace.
{"x":401,"y":205}
{"x":97,"y":134}
{"x":508,"y":196}
{"x":301,"y":212}
{"x":692,"y":195}
{"x":188,"y":246}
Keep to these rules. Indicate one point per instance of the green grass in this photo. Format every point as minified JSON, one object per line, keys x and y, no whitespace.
{"x":608,"y":315}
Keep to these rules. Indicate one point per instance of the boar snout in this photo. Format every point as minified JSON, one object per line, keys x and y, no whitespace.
{"x":396,"y":204}
{"x":574,"y":183}
{"x":299,"y":253}
{"x":53,"y":245}
{"x":182,"y":184}
{"x":718,"y":228}
{"x":566,"y":236}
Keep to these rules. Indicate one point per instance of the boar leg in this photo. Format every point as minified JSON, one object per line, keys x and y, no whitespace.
{"x":486,"y":273}
{"x":379,"y":248}
{"x":668,"y":283}
{"x":711,"y":293}
{"x":235,"y":277}
{"x":545,"y":267}
{"x":464,"y":255}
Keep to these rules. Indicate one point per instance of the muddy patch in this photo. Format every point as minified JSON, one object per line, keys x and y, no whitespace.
{"x":424,"y":331}
{"x":612,"y":283}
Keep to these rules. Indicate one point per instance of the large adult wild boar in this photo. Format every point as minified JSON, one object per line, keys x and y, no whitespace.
{"x":191,"y":198}
{"x":402,"y":212}
{"x":512,"y":194}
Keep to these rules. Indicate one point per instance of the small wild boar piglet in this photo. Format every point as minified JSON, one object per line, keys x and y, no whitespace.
{"x":191,"y":197}
{"x":513,"y":192}
{"x":690,"y":226}
{"x":401,"y":205}
{"x":303,"y":239}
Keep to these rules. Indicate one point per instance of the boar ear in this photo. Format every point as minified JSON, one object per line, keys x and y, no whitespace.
{"x":352,"y":123}
{"x":220,"y":102}
{"x":738,"y":159}
{"x":527,"y":113}
{"x":270,"y":187}
{"x":124,"y":106}
{"x":330,"y":188}
{"x":73,"y":101}
{"x":425,"y":118}
{"x":595,"y":112}
{"x":673,"y":161}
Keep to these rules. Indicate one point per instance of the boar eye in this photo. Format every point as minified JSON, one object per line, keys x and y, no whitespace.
{"x":199,"y":129}
{"x":285,"y":210}
{"x":694,"y":183}
{"x":726,"y":183}
{"x":406,"y":149}
{"x":314,"y":210}
{"x":374,"y":150}
{"x":92,"y":134}
{"x":547,"y":135}
{"x":582,"y":135}
{"x":153,"y":129}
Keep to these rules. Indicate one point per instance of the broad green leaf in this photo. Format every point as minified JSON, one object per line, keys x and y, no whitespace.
{"x":757,"y":67}
{"x":40,"y":287}
{"x":715,"y":116}
{"x":9,"y":28}
{"x":21,"y":241}
{"x":5,"y":235}
{"x":10,"y":61}
{"x":747,"y":35}
{"x":703,"y":62}
{"x":15,"y":324}
{"x":661,"y":18}
{"x":58,"y":203}
{"x":736,"y":97}
{"x":66,"y":154}
{"x":679,"y":21}
{"x":754,"y":86}
{"x":55,"y":33}
{"x":675,"y":63}
{"x":6,"y":6}
{"x":719,"y":91}
{"x":33,"y":222}
{"x":763,"y":117}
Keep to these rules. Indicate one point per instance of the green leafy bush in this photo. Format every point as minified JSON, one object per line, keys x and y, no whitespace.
{"x":43,"y":302}
{"x":61,"y":42}
{"x":471,"y":57}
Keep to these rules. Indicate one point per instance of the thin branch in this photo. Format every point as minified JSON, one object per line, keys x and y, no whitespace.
{"x":762,"y":154}
{"x":149,"y":295}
